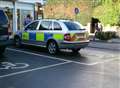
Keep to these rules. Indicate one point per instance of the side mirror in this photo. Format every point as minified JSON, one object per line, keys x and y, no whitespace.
{"x":25,"y":29}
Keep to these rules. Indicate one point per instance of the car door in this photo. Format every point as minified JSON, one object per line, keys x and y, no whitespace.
{"x":58,"y":31}
{"x":44,"y":32}
{"x":29,"y":34}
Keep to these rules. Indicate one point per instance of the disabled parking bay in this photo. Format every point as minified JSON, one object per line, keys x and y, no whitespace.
{"x":30,"y":70}
{"x":15,"y":62}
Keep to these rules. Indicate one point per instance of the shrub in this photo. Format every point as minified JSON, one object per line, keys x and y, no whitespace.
{"x":105,"y":35}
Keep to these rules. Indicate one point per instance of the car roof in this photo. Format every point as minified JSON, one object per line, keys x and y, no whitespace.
{"x":61,"y":20}
{"x":57,"y":20}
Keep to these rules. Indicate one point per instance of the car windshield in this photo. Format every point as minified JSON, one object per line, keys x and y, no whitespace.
{"x":3,"y":18}
{"x":73,"y":26}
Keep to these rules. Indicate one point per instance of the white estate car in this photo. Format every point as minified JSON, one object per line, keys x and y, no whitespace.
{"x":54,"y":35}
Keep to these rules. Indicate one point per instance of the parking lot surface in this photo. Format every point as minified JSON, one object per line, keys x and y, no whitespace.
{"x":91,"y":68}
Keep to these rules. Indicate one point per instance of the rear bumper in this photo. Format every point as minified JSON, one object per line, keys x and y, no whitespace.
{"x":73,"y":45}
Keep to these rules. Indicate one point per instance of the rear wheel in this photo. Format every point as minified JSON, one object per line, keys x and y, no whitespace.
{"x":17,"y":42}
{"x":2,"y":50}
{"x":52,"y":47}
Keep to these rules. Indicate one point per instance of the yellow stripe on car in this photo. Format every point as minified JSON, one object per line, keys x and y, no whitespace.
{"x":25,"y":36}
{"x":58,"y":36}
{"x":39,"y":36}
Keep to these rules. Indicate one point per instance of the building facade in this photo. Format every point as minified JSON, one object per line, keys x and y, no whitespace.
{"x":17,"y":10}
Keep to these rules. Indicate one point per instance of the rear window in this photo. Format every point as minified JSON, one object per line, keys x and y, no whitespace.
{"x":57,"y":26}
{"x":3,"y":18}
{"x":73,"y":26}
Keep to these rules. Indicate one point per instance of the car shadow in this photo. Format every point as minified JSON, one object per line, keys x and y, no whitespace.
{"x":64,"y":54}
{"x":69,"y":55}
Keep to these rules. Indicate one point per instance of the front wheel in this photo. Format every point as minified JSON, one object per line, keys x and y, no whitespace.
{"x":52,"y":47}
{"x":17,"y":42}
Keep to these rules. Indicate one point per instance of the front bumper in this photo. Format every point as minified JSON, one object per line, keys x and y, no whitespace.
{"x":6,"y":42}
{"x":73,"y":45}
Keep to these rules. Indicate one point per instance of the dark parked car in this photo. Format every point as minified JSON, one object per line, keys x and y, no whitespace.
{"x":4,"y":31}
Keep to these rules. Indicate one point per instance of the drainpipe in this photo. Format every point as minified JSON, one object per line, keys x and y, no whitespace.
{"x":14,"y":16}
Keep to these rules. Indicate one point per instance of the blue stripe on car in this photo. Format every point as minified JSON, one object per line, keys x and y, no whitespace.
{"x":47,"y":36}
{"x":32,"y":36}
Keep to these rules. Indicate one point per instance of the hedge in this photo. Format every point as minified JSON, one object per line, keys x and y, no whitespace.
{"x":105,"y":35}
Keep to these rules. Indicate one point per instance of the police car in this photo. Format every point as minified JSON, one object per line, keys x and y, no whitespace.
{"x":54,"y":35}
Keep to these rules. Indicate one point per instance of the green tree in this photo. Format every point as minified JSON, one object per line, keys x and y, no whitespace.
{"x":108,"y":12}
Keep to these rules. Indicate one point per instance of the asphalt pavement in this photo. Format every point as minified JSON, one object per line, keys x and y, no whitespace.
{"x":113,"y":44}
{"x":35,"y":68}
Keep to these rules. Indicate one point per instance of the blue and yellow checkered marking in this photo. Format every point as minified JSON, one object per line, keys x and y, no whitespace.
{"x":32,"y":36}
{"x":41,"y":36}
{"x":47,"y":36}
{"x":25,"y":36}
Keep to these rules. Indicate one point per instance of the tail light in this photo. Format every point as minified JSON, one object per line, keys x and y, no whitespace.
{"x":9,"y":30}
{"x":67,"y":37}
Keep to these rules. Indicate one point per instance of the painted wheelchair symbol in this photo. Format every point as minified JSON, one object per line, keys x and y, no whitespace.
{"x":9,"y":65}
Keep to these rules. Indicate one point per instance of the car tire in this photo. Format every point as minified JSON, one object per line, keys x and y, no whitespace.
{"x":52,"y":47}
{"x":75,"y":50}
{"x":17,"y":42}
{"x":2,"y":50}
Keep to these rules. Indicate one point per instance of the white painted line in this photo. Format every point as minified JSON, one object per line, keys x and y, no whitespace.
{"x":35,"y":69}
{"x":30,"y":53}
{"x":10,"y":65}
{"x":97,"y":72}
{"x":88,"y":64}
{"x":104,"y":61}
{"x":55,"y":58}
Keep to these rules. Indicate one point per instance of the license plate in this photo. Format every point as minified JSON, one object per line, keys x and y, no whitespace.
{"x":79,"y":36}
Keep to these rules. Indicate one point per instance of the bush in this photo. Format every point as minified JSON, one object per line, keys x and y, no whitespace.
{"x":105,"y":35}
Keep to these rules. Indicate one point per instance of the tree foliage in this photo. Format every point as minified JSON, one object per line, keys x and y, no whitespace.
{"x":108,"y":12}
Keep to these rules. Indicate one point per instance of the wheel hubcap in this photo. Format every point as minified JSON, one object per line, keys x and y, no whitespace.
{"x":52,"y":48}
{"x":17,"y":41}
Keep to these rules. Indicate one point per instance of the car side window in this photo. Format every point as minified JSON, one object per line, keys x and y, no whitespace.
{"x":46,"y":25}
{"x":32,"y":26}
{"x":57,"y":26}
{"x":3,"y":18}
